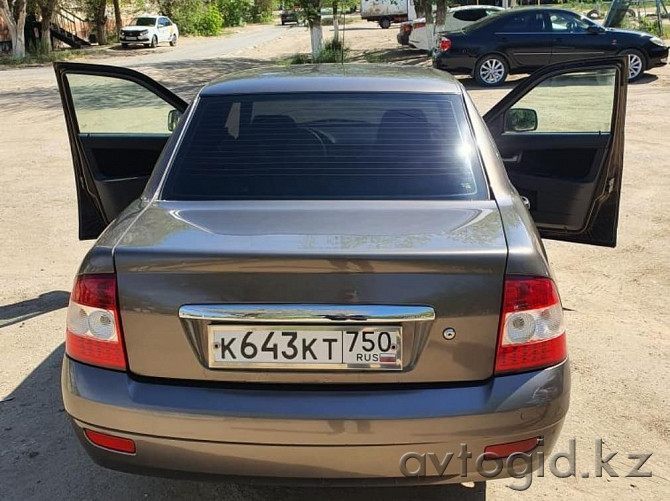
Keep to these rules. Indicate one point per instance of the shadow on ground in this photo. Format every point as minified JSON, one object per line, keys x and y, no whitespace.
{"x":11,"y":314}
{"x":40,"y":458}
{"x":403,"y":56}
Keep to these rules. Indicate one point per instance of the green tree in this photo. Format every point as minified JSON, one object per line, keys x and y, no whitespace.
{"x":46,"y":8}
{"x":13,"y":12}
{"x":117,"y":17}
{"x":97,"y":11}
{"x":312,"y":11}
{"x":340,"y":6}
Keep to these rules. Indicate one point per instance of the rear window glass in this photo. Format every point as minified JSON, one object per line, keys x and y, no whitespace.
{"x":470,"y":14}
{"x":327,"y":146}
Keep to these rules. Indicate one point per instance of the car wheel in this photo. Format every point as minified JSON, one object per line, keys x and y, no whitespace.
{"x":173,"y":41}
{"x":593,"y":14}
{"x":636,"y":64}
{"x":385,"y":23}
{"x":491,"y":71}
{"x":124,"y":45}
{"x":154,"y":42}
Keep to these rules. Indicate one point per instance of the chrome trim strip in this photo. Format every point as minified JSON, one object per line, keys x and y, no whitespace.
{"x":306,"y":313}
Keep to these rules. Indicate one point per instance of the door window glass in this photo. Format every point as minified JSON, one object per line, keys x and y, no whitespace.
{"x":115,"y":106}
{"x":530,"y":22}
{"x":580,"y":102}
{"x":565,"y":23}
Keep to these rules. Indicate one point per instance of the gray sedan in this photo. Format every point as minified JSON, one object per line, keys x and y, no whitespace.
{"x":330,"y":272}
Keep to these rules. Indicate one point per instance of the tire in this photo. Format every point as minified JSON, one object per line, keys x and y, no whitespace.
{"x":154,"y":42}
{"x":283,"y":23}
{"x":593,"y":14}
{"x":173,"y":41}
{"x":636,"y":63}
{"x":491,"y":70}
{"x":385,"y":23}
{"x":124,"y":45}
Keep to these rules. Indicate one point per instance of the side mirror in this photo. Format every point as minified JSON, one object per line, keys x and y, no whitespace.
{"x":173,"y":119}
{"x":520,"y":120}
{"x":593,"y":29}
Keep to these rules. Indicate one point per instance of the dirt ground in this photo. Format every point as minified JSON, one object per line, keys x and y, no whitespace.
{"x":616,"y":299}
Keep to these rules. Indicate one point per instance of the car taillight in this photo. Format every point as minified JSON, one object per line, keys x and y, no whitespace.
{"x":93,"y":333}
{"x":532,"y":333}
{"x":445,"y":44}
{"x":418,"y":25}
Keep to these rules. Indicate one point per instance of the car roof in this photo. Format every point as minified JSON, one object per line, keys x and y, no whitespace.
{"x":335,"y":78}
{"x":475,"y":7}
{"x":552,"y":8}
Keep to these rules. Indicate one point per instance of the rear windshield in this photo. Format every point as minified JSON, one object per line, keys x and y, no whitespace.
{"x":327,"y":146}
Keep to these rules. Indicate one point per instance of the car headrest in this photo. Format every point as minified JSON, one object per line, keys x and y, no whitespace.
{"x":273,"y":121}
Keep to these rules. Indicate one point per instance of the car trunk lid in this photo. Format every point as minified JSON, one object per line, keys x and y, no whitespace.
{"x":447,"y":256}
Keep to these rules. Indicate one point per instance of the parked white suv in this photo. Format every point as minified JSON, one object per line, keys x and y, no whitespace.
{"x":150,"y":31}
{"x":423,"y":36}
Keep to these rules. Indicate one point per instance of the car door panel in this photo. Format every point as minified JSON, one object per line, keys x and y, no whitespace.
{"x":572,"y":180}
{"x":555,"y":173}
{"x":111,"y":164}
{"x":120,"y":166}
{"x":525,"y":40}
{"x":571,"y":40}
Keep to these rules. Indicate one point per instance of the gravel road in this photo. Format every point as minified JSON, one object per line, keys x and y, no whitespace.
{"x":616,"y":299}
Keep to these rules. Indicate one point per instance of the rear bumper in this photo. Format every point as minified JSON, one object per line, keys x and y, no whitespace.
{"x":454,"y":63}
{"x":351,"y":435}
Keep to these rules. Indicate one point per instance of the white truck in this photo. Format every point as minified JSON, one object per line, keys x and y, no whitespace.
{"x":386,"y":12}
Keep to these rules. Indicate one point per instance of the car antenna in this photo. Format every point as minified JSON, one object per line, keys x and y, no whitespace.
{"x":344,"y":29}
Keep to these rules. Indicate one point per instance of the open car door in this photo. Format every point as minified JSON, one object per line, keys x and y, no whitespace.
{"x":118,"y":121}
{"x":561,"y":136}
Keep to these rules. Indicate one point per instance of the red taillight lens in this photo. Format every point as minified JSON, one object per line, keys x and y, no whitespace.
{"x":93,"y":333}
{"x":418,"y":25}
{"x":445,"y":44}
{"x":117,"y":444}
{"x":509,"y":448}
{"x":532,"y":333}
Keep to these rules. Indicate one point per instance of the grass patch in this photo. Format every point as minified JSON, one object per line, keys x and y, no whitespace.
{"x":60,"y":55}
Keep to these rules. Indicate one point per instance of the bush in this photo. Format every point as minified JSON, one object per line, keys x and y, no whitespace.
{"x":193,"y":17}
{"x":235,"y":12}
{"x":210,"y":21}
{"x":332,"y":52}
{"x":261,"y":11}
{"x":299,"y":59}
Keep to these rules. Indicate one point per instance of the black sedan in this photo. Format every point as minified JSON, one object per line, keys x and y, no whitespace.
{"x":523,"y":40}
{"x":289,"y":16}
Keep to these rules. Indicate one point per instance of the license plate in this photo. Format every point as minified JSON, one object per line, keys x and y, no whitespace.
{"x":131,"y":38}
{"x":305,"y":348}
